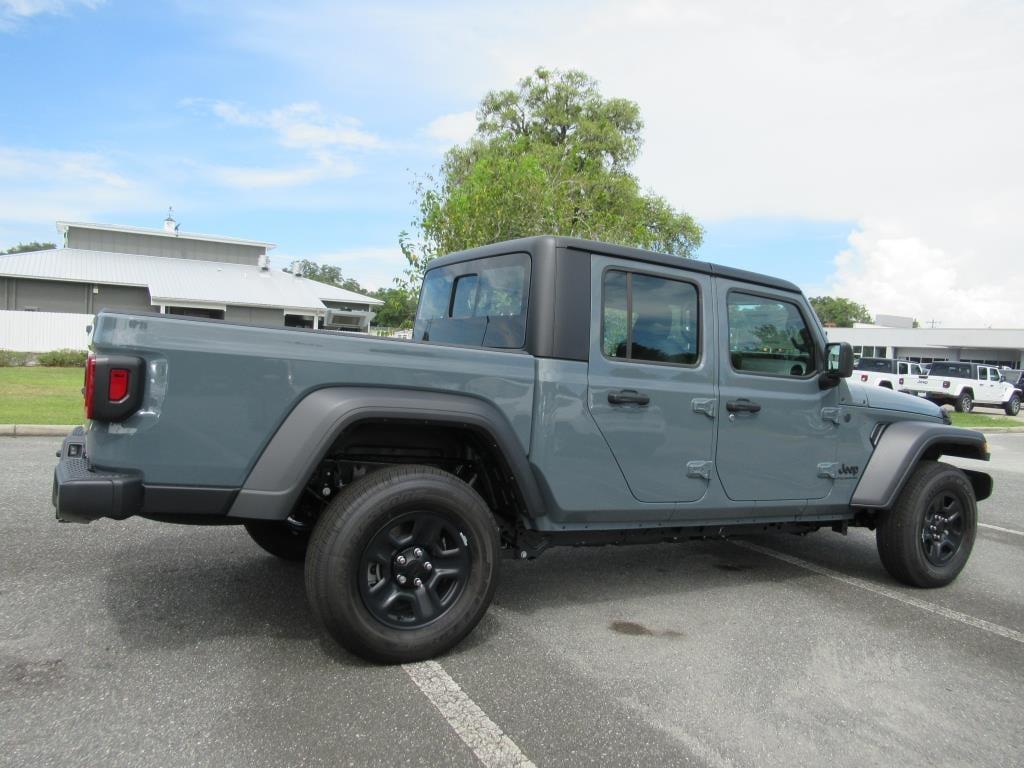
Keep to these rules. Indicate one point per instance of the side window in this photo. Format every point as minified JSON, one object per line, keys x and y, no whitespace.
{"x":649,"y":318}
{"x":768,"y":336}
{"x":464,"y":296}
{"x":902,"y":368}
{"x":983,"y":374}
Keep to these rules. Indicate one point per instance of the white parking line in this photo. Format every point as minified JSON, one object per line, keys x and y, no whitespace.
{"x":892,"y":594}
{"x":998,"y":528}
{"x":492,"y":747}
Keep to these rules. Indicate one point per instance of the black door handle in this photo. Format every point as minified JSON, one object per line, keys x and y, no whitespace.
{"x":624,"y":396}
{"x":742,"y":406}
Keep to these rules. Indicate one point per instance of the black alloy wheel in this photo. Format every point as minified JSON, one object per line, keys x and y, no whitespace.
{"x":926,"y":538}
{"x":403,"y":563}
{"x":942,"y":528}
{"x":414,"y":569}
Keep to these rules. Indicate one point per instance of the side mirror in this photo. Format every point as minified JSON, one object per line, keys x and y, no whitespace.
{"x":838,"y":364}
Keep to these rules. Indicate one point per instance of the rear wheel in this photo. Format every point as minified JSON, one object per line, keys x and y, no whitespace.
{"x":403,"y":564}
{"x":964,"y":403}
{"x":1012,"y":406}
{"x":927,"y":537}
{"x":279,"y":539}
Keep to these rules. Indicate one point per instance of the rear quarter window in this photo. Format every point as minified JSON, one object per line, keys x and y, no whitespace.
{"x":480,"y":303}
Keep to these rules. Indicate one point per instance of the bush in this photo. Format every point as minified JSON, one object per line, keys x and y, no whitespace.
{"x":63,"y":358}
{"x":9,"y":359}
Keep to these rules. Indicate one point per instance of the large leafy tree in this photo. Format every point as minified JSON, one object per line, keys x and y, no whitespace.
{"x":26,"y":247}
{"x":325,"y":273}
{"x":839,"y":312}
{"x":551,"y":156}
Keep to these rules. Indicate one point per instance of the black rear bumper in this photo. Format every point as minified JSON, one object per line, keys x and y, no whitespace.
{"x":81,"y":494}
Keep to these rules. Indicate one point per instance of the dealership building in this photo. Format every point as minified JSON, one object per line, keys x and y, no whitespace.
{"x":48,"y":297}
{"x":895,"y":337}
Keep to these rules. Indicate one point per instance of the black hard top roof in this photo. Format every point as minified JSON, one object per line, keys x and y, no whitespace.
{"x":542,"y":242}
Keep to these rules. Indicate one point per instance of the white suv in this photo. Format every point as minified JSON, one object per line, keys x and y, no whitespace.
{"x":965,"y":384}
{"x":884,"y":372}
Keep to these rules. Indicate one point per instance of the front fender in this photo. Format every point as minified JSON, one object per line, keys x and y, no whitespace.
{"x":303,"y":439}
{"x":902,"y":445}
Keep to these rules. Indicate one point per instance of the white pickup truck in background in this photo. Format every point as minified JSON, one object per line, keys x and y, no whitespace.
{"x":884,"y":372}
{"x":964,"y":385}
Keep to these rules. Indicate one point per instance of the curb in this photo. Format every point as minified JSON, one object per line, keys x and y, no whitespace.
{"x":997,"y":430}
{"x":35,"y":430}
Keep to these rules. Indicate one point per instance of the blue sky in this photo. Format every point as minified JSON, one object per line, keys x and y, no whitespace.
{"x":812,"y":142}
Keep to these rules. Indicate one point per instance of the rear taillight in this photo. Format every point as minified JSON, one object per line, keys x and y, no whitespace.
{"x":118,"y":388}
{"x":113,"y":386}
{"x":945,"y":385}
{"x":89,"y":390}
{"x":901,"y":380}
{"x":863,"y":377}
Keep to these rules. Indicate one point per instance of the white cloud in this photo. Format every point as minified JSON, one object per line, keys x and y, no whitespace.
{"x":904,"y":116}
{"x":324,"y":140}
{"x":13,"y":11}
{"x":302,"y":126}
{"x":38,"y":187}
{"x":905,"y":276}
{"x":455,"y":128}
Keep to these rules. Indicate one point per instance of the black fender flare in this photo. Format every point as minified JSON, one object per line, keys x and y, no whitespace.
{"x":902,"y":445}
{"x":307,"y":433}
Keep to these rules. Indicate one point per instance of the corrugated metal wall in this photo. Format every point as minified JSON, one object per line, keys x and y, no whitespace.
{"x":43,"y":331}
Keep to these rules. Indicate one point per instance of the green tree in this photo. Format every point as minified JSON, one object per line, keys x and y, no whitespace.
{"x":325,"y":273}
{"x":26,"y":247}
{"x":839,"y":312}
{"x":398,"y":310}
{"x":552,"y":156}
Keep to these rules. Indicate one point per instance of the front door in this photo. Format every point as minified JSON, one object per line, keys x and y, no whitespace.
{"x":652,"y":376}
{"x":775,"y":440}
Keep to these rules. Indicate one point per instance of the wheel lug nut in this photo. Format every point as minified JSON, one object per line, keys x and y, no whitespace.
{"x":417,"y":582}
{"x":418,"y":552}
{"x":401,"y":579}
{"x":400,"y":560}
{"x":428,"y":567}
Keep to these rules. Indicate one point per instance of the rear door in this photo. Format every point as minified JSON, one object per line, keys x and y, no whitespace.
{"x":651,"y":376}
{"x":777,"y":429}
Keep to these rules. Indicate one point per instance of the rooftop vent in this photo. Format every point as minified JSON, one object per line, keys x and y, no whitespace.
{"x":170,"y":225}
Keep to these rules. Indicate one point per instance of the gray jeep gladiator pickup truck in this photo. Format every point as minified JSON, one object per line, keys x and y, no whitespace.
{"x":555,"y":392}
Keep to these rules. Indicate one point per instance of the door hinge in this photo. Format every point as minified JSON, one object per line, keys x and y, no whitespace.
{"x":828,"y":469}
{"x":705,"y":405}
{"x":830,"y":414}
{"x":699,"y":469}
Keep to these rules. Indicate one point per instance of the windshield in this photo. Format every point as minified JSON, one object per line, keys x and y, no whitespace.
{"x":481,"y":303}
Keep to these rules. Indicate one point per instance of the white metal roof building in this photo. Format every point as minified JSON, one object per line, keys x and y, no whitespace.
{"x":993,"y":346}
{"x":174,"y":273}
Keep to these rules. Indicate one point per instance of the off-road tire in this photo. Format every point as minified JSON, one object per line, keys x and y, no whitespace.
{"x":901,"y":530}
{"x":964,"y":403}
{"x":1012,"y":406}
{"x":279,"y":539}
{"x":355,"y":519}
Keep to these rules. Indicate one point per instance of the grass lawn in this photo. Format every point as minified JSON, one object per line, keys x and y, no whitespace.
{"x":41,"y":396}
{"x":975,"y":420}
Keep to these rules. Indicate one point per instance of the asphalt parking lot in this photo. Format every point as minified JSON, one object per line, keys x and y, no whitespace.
{"x":138,"y":643}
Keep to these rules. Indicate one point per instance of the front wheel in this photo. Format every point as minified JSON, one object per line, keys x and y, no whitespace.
{"x":964,"y":403}
{"x":403,"y":564}
{"x":1012,"y":406}
{"x":927,"y":536}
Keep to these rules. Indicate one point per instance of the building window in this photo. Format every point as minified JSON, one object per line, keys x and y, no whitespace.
{"x":214,"y":314}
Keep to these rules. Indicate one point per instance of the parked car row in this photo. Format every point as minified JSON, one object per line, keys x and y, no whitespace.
{"x":962,"y":385}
